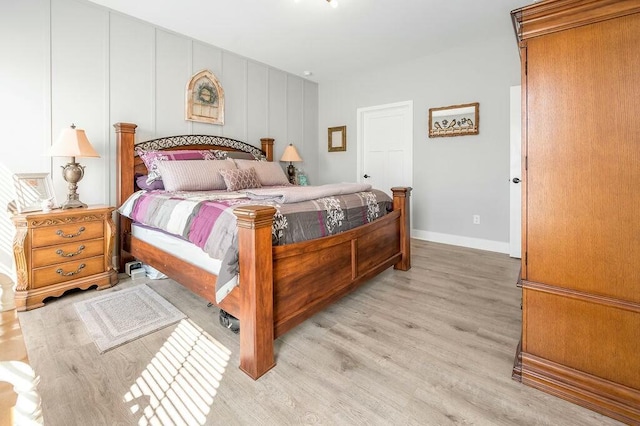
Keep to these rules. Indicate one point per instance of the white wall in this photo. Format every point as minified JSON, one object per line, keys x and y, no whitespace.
{"x":454,"y":178}
{"x":64,"y":61}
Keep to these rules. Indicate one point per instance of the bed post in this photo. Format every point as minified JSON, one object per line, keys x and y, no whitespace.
{"x":125,"y":139}
{"x":401,"y":198}
{"x":256,"y":289}
{"x":267,"y":147}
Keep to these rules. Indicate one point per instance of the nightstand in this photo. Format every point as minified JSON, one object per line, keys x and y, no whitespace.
{"x":61,"y":250}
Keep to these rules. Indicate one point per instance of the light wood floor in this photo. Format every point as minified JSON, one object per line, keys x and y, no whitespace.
{"x":431,"y":346}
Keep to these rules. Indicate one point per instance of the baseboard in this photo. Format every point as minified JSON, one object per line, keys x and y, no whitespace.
{"x":458,"y":240}
{"x":611,"y":399}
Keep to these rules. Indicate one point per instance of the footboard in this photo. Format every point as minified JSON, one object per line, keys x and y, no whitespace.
{"x":282,"y":287}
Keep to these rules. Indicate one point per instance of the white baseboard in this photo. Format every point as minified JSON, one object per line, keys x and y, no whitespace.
{"x":457,"y":240}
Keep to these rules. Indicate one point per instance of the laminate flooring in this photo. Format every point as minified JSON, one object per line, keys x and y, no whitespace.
{"x":431,"y":346}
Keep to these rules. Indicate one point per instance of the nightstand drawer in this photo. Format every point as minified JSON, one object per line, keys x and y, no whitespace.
{"x":61,"y":234}
{"x":55,"y":274}
{"x":54,"y":255}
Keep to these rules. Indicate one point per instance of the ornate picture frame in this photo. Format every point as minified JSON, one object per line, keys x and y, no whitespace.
{"x":31,"y":190}
{"x":454,"y":120}
{"x":337,"y":138}
{"x":204,"y":99}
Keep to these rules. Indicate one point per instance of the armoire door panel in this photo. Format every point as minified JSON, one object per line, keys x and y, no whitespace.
{"x":597,"y":339}
{"x":583,"y":148}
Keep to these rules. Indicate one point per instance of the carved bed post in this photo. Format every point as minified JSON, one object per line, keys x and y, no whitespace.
{"x":267,"y":147}
{"x":401,"y":200}
{"x":125,"y":140}
{"x":256,"y":289}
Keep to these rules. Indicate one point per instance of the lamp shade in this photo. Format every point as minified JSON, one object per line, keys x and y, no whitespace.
{"x":72,"y":142}
{"x":290,"y":154}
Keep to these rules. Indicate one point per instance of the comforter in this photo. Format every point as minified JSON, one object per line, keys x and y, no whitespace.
{"x":206,"y":218}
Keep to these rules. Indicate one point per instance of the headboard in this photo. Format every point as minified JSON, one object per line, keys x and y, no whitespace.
{"x":128,"y":162}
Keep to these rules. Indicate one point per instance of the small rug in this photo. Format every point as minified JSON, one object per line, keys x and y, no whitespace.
{"x":125,"y":315}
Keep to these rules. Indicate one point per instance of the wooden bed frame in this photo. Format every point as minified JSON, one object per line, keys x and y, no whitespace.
{"x":281,"y":286}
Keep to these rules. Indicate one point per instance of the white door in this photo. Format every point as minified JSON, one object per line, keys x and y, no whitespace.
{"x":515,"y":194}
{"x":385,"y":145}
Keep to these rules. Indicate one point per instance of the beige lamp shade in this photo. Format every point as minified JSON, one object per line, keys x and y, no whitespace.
{"x":290,"y":154}
{"x":72,"y":142}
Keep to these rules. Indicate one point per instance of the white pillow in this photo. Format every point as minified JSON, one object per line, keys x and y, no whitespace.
{"x":269,"y":173}
{"x":194,"y":175}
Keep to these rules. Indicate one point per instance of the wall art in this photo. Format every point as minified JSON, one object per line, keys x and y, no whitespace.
{"x":205,"y":99}
{"x":455,"y":120}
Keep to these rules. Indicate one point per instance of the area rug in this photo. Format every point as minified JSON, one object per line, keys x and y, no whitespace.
{"x":121,"y":316}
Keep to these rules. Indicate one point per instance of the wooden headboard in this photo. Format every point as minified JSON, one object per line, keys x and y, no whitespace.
{"x":129,"y":163}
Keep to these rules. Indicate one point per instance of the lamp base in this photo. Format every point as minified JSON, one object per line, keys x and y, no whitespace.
{"x":291,"y":171}
{"x":72,"y":204}
{"x":72,"y":173}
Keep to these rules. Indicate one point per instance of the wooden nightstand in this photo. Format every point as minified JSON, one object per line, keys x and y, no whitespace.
{"x":61,"y":250}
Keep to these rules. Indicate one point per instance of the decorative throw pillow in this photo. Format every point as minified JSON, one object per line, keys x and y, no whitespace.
{"x":237,"y":179}
{"x":152,"y":158}
{"x":194,"y":175}
{"x":269,"y":173}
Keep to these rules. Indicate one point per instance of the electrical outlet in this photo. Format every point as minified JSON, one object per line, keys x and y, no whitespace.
{"x":476,"y":219}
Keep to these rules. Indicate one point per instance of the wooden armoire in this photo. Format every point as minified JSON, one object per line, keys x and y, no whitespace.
{"x":581,"y":202}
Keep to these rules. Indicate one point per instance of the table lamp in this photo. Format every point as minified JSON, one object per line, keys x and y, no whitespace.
{"x":291,"y":154}
{"x":72,"y":143}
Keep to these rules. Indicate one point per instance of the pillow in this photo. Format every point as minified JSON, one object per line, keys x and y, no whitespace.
{"x":152,"y":158}
{"x":237,"y":179}
{"x":193,"y":175}
{"x":269,"y":173}
{"x":237,"y":154}
{"x":141,"y":181}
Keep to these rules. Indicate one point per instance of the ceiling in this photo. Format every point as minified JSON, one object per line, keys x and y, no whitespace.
{"x":310,"y":35}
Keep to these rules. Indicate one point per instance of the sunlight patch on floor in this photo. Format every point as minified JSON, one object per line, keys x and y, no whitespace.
{"x":180,"y":383}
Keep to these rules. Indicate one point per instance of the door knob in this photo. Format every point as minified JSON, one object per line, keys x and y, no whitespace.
{"x":515,"y":180}
{"x":366,"y":176}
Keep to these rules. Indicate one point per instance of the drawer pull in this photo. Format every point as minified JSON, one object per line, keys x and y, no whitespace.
{"x":63,"y":254}
{"x":68,"y":274}
{"x":61,"y":233}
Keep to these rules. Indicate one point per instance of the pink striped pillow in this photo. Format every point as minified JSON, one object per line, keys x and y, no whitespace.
{"x":151,"y":159}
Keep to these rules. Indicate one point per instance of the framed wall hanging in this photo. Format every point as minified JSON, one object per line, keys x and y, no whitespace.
{"x":205,"y":99}
{"x":33,"y":191}
{"x":337,"y":138}
{"x":455,"y":120}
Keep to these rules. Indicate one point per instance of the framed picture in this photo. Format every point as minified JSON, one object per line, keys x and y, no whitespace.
{"x":31,"y":190}
{"x":204,"y":99}
{"x":337,"y":138}
{"x":455,"y":120}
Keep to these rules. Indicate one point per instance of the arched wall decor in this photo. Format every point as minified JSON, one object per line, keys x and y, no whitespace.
{"x":205,"y":99}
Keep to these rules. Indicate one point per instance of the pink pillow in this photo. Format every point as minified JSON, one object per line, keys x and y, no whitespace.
{"x":237,"y":179}
{"x":151,"y":159}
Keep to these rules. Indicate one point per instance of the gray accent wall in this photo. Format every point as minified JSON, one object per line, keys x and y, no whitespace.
{"x":454,"y":178}
{"x":71,"y":61}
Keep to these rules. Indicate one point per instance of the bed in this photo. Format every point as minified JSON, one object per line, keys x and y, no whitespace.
{"x":280,"y":286}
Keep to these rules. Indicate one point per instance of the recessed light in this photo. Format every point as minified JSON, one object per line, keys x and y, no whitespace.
{"x":307,"y":73}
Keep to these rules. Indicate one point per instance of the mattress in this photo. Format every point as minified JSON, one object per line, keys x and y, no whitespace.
{"x":178,"y":247}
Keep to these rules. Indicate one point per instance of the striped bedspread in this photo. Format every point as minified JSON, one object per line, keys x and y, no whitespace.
{"x":206,"y":219}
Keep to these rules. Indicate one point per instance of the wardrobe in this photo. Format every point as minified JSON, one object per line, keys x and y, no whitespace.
{"x":580,"y":274}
